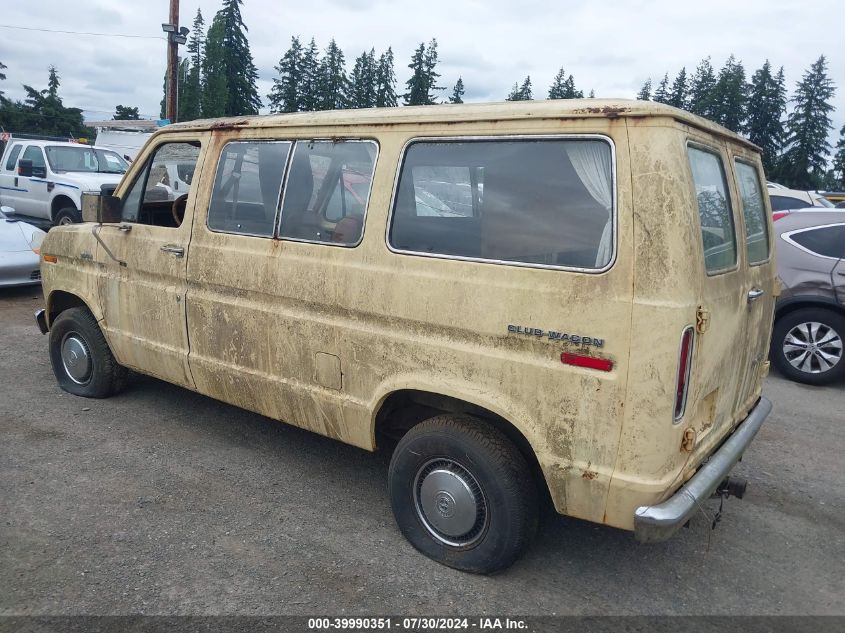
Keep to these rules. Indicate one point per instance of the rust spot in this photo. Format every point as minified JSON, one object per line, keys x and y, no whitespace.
{"x":589,"y":474}
{"x":609,"y":111}
{"x":227,"y":124}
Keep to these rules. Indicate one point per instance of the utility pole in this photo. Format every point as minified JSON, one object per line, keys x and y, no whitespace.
{"x":175,"y":35}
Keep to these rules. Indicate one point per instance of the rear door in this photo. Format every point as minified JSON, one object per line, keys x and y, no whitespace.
{"x":735,"y":303}
{"x":10,"y":185}
{"x":756,"y":246}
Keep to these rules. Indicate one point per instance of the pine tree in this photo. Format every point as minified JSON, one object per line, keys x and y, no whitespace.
{"x":125,"y":113}
{"x":2,"y":78}
{"x":701,"y":90}
{"x":563,"y":87}
{"x":839,"y":162}
{"x":513,"y":95}
{"x":525,"y":90}
{"x":309,"y":89}
{"x":53,"y":82}
{"x":386,"y":81}
{"x":730,"y":96}
{"x":333,"y":82}
{"x":678,"y":94}
{"x":214,"y":84}
{"x":42,"y":112}
{"x":661,"y":95}
{"x":190,"y":106}
{"x":804,"y":163}
{"x":458,"y":92}
{"x":423,"y":81}
{"x":592,"y":94}
{"x":230,"y":74}
{"x":364,"y":81}
{"x":645,"y":92}
{"x":285,"y":96}
{"x":767,"y":104}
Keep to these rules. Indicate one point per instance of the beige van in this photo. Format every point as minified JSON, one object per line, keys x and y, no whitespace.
{"x":569,"y":299}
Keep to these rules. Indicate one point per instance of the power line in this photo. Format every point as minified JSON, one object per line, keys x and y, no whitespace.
{"x":27,"y":28}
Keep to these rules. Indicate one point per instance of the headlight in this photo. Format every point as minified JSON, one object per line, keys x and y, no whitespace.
{"x":36,"y":241}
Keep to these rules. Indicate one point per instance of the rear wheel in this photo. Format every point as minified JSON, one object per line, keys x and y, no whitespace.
{"x":81,"y":358}
{"x":807,"y":346}
{"x":67,"y":215}
{"x":463,"y":494}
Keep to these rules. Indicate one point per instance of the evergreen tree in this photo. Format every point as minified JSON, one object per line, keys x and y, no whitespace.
{"x":333,"y":82}
{"x":767,"y":104}
{"x":215,"y":87}
{"x":286,"y":95}
{"x":678,"y":94}
{"x":386,"y":81}
{"x":701,"y":91}
{"x":423,"y":81}
{"x":563,"y":87}
{"x":364,"y":81}
{"x":125,"y":113}
{"x":661,"y":95}
{"x":190,"y":106}
{"x":645,"y":92}
{"x":839,"y":163}
{"x":458,"y":92}
{"x":592,"y":94}
{"x":309,"y":90}
{"x":803,"y":164}
{"x":525,"y":90}
{"x":2,"y":78}
{"x":513,"y":95}
{"x":730,"y":96}
{"x":42,"y":112}
{"x":230,"y":71}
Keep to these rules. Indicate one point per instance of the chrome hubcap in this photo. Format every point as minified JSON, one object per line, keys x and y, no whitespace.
{"x":450,"y":503}
{"x":813,"y":347}
{"x":64,"y":220}
{"x":76,"y":358}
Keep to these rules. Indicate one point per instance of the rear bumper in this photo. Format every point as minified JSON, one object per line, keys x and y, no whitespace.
{"x":41,"y":320}
{"x":659,"y":522}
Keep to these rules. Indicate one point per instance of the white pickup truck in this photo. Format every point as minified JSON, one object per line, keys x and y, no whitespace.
{"x":46,"y":179}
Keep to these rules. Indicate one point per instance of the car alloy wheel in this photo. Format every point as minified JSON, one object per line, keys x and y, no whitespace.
{"x":813,"y":347}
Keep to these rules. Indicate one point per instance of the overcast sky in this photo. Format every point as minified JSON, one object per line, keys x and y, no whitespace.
{"x":611,"y":46}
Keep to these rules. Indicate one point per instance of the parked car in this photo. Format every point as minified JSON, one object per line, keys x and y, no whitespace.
{"x":783,"y":199}
{"x":19,"y":251}
{"x":809,"y":330}
{"x":563,"y":297}
{"x":46,"y":179}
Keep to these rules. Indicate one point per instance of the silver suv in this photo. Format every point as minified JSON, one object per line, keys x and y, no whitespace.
{"x":807,"y":343}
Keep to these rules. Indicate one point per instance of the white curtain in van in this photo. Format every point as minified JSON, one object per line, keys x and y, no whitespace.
{"x":591,"y":161}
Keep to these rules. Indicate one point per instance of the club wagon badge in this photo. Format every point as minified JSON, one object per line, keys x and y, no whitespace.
{"x":552,"y":335}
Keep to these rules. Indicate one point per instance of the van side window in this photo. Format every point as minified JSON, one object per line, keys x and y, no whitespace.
{"x":754,"y":212}
{"x":714,"y":210}
{"x":327,"y":190}
{"x":247,"y":187}
{"x":159,"y":195}
{"x":542,"y":202}
{"x":13,"y":157}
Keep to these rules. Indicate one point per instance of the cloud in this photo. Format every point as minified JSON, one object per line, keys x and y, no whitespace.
{"x":611,"y":47}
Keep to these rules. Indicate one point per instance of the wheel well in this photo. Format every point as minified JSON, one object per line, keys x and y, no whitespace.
{"x":792,"y":306}
{"x":406,"y":408}
{"x":60,"y":301}
{"x":60,"y":202}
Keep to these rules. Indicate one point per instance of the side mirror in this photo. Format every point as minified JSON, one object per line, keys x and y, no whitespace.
{"x":25,"y":168}
{"x":100,"y":207}
{"x":39,"y":172}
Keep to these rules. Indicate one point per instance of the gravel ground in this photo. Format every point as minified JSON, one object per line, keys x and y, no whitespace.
{"x":162,"y":501}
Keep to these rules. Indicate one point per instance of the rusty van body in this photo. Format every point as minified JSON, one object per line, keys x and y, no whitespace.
{"x":574,"y":294}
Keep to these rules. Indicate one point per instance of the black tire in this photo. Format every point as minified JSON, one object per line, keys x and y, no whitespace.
{"x":470,"y":451}
{"x":77,"y":328}
{"x":816,"y":375}
{"x":67,"y":215}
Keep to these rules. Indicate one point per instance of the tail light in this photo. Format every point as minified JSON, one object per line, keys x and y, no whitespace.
{"x":684,"y":365}
{"x":777,"y":215}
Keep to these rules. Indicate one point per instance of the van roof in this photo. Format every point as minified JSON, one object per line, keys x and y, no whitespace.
{"x":470,"y":112}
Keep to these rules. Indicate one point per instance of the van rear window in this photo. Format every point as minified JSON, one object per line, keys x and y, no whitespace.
{"x":714,"y":210}
{"x":545,"y":202}
{"x":756,"y":232}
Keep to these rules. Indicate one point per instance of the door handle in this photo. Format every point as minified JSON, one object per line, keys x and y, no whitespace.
{"x":175,"y":250}
{"x":125,"y":228}
{"x":754,"y":294}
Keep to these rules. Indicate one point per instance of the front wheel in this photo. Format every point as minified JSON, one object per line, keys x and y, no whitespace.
{"x":81,"y":358}
{"x":68,"y":215}
{"x":807,"y":346}
{"x":463,"y":494}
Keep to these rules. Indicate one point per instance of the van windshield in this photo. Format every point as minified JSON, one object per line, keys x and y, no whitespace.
{"x":85,"y":159}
